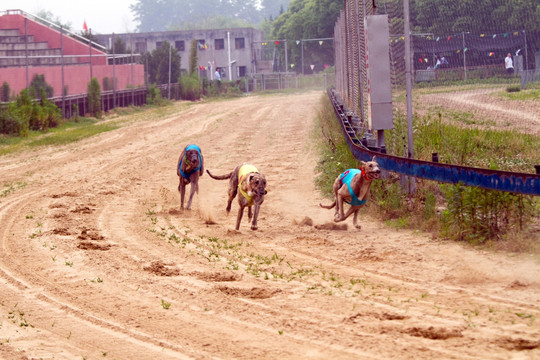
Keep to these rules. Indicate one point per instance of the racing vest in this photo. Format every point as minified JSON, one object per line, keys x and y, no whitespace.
{"x":242,"y":172}
{"x":188,"y":174}
{"x":346,"y":178}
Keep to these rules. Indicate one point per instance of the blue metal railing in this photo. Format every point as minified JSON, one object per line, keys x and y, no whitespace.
{"x":522,"y":183}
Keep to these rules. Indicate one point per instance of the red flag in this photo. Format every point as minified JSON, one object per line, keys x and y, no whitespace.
{"x":85,"y":28}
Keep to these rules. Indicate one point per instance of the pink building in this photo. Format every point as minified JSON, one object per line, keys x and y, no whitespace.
{"x":45,"y":49}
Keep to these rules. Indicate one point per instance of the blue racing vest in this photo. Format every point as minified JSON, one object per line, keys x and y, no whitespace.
{"x":346,"y":178}
{"x":187,"y":175}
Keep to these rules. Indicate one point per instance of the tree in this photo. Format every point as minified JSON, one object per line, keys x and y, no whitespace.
{"x":174,"y":14}
{"x":94,"y":98}
{"x":309,"y":19}
{"x":37,"y":84}
{"x":193,"y":58}
{"x":49,"y":16}
{"x":5,"y":92}
{"x":158,"y":64}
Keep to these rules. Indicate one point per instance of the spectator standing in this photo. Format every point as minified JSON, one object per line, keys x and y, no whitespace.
{"x":509,"y":64}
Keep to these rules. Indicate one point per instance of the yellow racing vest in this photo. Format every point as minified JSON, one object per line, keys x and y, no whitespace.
{"x":242,"y":172}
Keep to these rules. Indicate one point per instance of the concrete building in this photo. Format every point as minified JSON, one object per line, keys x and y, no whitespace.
{"x":237,"y":52}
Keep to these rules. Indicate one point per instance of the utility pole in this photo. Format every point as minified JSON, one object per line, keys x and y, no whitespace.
{"x":408,"y":77}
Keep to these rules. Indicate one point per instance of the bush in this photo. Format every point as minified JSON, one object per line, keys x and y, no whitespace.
{"x":153,"y":96}
{"x":94,"y":98}
{"x":38,"y":84}
{"x":477,"y":215}
{"x":4,"y":95}
{"x":190,"y":88}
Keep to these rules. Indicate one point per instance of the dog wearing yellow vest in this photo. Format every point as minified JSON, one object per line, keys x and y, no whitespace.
{"x":251,"y":184}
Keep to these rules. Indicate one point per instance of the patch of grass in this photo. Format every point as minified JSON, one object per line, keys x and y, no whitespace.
{"x":65,"y":133}
{"x":523,"y":95}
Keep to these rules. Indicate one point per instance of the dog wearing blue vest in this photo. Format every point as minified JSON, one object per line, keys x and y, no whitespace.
{"x":352,"y":186}
{"x":189,"y":167}
{"x":251,"y":184}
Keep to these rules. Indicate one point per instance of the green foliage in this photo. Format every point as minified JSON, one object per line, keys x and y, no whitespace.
{"x":37,"y":84}
{"x":190,"y":87}
{"x":5,"y":92}
{"x":335,"y":156}
{"x":457,"y":212}
{"x":49,"y":16}
{"x":477,"y":215}
{"x":157,"y":64}
{"x":94,"y":98}
{"x":24,"y":115}
{"x":153,"y":97}
{"x":308,"y":19}
{"x":180,"y":14}
{"x":448,"y":17}
{"x":193,"y":58}
{"x":443,"y":133}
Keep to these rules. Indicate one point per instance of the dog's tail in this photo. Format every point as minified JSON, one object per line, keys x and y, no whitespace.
{"x":220,"y":177}
{"x":328,"y":206}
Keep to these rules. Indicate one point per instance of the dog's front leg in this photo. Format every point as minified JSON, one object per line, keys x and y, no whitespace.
{"x":194,"y":188}
{"x":255,"y":216}
{"x":239,"y":216}
{"x":182,"y":190}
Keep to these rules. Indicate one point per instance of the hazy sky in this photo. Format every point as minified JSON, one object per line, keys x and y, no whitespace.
{"x":102,"y":16}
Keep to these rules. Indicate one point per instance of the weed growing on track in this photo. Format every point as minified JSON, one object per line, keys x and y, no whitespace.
{"x":165,"y":305}
{"x":17,"y":316}
{"x":9,"y":188}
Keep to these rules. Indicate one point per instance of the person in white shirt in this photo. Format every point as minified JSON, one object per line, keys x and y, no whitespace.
{"x":509,"y":64}
{"x":217,"y":75}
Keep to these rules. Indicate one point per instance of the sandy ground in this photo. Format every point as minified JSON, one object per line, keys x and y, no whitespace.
{"x":490,"y":109}
{"x":98,"y":261}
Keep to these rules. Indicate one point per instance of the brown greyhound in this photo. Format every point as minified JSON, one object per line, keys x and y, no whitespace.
{"x":352,"y":186}
{"x":189,"y":167}
{"x":252,"y":186}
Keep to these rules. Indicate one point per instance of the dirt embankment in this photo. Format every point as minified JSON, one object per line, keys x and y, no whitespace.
{"x":97,"y":260}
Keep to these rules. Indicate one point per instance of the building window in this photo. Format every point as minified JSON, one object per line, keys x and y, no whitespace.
{"x":241,"y":71}
{"x":179,"y":45}
{"x":219,"y":44}
{"x":159,"y":44}
{"x":201,"y":45}
{"x":239,"y":43}
{"x":140,"y":47}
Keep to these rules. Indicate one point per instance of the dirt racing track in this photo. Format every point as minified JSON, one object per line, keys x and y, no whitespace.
{"x":98,"y":261}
